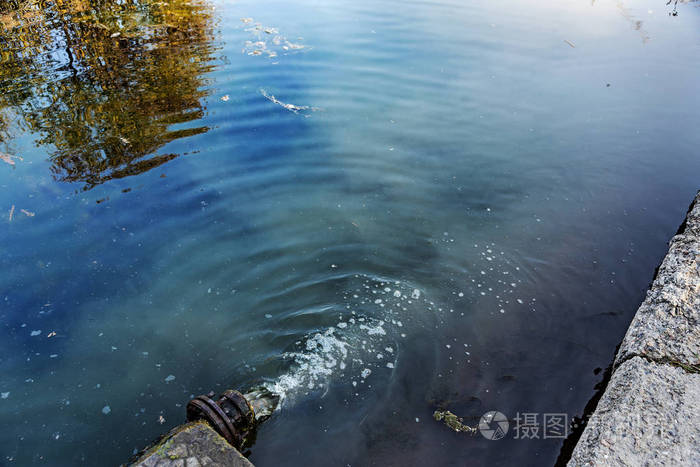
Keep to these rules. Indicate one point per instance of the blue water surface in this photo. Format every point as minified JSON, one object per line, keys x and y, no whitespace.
{"x":375,"y":208}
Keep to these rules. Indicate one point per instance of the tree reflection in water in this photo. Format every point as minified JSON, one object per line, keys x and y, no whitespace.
{"x":102,"y":82}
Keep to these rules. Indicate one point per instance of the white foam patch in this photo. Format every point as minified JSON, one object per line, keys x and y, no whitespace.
{"x":367,"y":327}
{"x":324,"y":352}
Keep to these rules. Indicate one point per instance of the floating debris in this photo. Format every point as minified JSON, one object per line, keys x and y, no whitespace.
{"x":161,"y":419}
{"x":225,"y":98}
{"x":453,"y":421}
{"x":9,"y":159}
{"x":5,"y":395}
{"x":106,"y":410}
{"x":570,"y":43}
{"x":267,"y":40}
{"x":51,"y":334}
{"x":12,"y":213}
{"x":169,"y":378}
{"x":291,"y":107}
{"x":35,"y":333}
{"x":292,"y":46}
{"x":27,"y":213}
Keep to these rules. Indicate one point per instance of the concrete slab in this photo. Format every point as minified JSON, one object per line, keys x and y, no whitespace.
{"x":192,"y":445}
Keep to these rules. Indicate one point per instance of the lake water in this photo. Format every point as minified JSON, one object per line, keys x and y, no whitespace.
{"x":375,"y":208}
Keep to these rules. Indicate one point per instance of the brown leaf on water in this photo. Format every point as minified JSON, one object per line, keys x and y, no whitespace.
{"x":28,"y":213}
{"x":8,"y":158}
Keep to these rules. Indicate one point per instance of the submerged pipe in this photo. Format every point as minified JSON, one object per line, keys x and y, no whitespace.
{"x":234,"y":415}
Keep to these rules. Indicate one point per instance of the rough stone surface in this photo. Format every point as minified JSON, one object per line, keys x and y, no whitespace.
{"x":192,"y":445}
{"x":667,"y":325}
{"x":649,"y":415}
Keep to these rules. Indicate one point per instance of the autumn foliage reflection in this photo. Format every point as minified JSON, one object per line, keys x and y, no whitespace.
{"x":105,"y":83}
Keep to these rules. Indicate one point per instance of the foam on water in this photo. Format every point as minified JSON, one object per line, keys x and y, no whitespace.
{"x":377,"y":313}
{"x":365,"y":340}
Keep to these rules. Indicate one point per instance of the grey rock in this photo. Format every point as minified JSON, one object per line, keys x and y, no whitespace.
{"x":192,"y":445}
{"x":649,"y":415}
{"x":667,"y":324}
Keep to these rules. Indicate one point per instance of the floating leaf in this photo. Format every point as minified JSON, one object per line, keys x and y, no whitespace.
{"x":8,"y":158}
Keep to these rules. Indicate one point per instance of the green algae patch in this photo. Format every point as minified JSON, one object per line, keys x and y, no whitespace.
{"x":453,"y":421}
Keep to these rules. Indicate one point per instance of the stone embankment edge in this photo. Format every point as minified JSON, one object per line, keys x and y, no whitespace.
{"x":649,"y":413}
